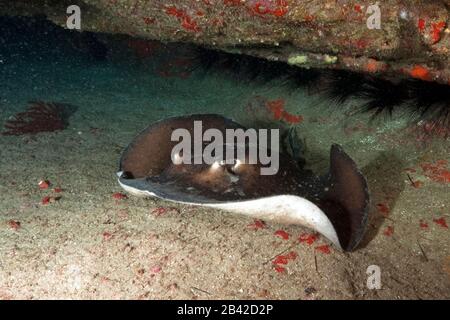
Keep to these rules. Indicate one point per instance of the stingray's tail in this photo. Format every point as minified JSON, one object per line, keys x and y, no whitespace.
{"x":346,"y":199}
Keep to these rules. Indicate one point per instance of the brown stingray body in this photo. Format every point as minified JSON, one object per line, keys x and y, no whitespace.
{"x":147,"y":165}
{"x":231,"y":182}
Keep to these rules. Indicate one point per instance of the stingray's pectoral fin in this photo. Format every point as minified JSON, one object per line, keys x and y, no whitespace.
{"x":346,"y":201}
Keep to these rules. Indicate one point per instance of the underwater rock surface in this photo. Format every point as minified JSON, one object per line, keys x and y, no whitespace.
{"x":393,"y":38}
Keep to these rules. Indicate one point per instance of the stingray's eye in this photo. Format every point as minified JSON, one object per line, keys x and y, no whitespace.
{"x":216,"y":165}
{"x":177,"y":158}
{"x":237,"y":164}
{"x":233,"y":167}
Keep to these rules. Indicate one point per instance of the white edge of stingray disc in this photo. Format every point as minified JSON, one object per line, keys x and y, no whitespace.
{"x":287,"y":209}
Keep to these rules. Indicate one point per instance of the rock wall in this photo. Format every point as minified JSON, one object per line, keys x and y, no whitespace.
{"x":413,"y":39}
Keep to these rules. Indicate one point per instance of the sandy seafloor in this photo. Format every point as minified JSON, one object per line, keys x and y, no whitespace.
{"x":90,"y":245}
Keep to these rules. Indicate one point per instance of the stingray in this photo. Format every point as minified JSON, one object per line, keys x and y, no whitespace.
{"x":334,"y":205}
